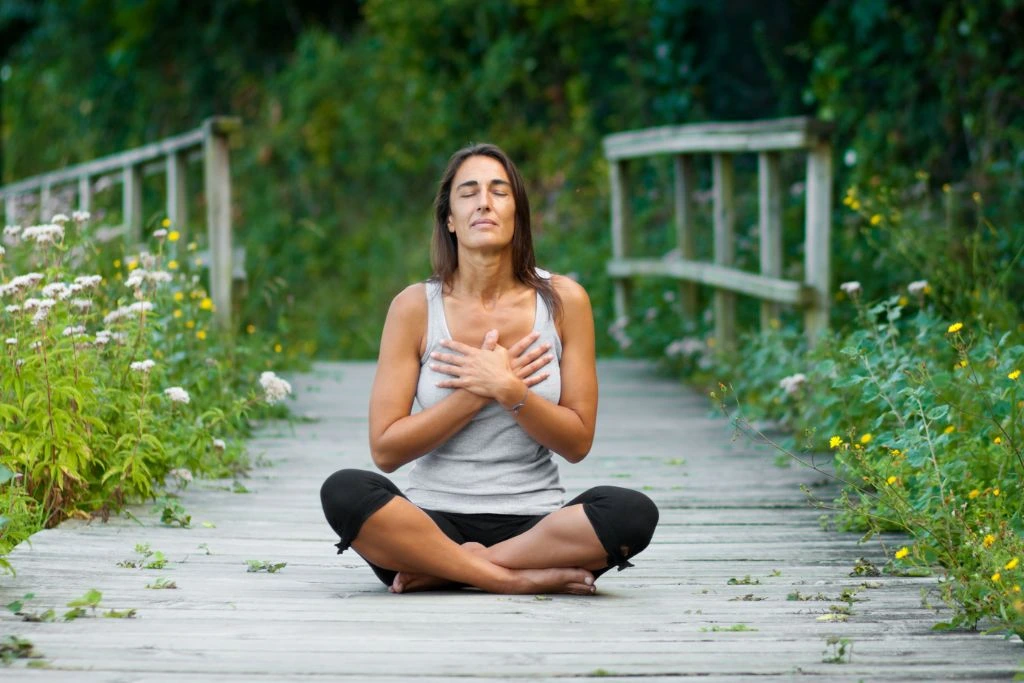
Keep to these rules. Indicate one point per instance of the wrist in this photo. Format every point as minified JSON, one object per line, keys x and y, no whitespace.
{"x":514,"y":395}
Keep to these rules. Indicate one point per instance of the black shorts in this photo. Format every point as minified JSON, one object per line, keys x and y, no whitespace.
{"x":623,"y":519}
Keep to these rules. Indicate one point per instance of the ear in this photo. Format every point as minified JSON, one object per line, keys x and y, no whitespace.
{"x":451,"y":226}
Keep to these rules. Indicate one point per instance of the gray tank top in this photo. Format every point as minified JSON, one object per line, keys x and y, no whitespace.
{"x":492,"y":465}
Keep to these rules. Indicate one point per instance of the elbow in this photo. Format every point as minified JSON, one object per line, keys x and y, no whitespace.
{"x":577,"y":452}
{"x":385,"y":460}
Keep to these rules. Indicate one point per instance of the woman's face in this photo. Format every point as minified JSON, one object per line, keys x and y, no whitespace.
{"x":483,"y":210}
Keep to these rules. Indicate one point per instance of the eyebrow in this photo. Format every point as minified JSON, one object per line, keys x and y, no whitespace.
{"x":473,"y":183}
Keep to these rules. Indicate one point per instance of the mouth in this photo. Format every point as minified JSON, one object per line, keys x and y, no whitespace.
{"x":483,"y":222}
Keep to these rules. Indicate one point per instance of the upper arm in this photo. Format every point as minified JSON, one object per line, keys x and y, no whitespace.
{"x":398,"y":362}
{"x":578,"y":362}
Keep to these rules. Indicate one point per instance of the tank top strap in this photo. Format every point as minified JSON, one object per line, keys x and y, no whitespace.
{"x":436,"y":328}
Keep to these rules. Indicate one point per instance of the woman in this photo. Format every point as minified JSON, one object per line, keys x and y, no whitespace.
{"x":500,"y":356}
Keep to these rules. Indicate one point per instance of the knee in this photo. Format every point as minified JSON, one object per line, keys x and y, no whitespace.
{"x":633,"y":515}
{"x":343,"y":491}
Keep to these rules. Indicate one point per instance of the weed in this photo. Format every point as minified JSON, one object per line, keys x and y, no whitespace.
{"x":13,"y":647}
{"x":837,"y":650}
{"x":735,"y":628}
{"x":745,"y":581}
{"x":162,"y":583}
{"x":265,"y":566}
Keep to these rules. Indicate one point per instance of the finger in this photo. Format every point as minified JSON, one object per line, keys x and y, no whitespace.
{"x":534,"y":381}
{"x":533,"y":367}
{"x":490,"y":340}
{"x":529,"y":356}
{"x":453,"y":370}
{"x":523,"y":344}
{"x":449,"y":358}
{"x":450,"y":383}
{"x":457,"y":346}
{"x":580,"y":589}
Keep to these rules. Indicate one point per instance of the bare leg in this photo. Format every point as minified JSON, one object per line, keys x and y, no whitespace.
{"x":408,"y":582}
{"x":565,"y":538}
{"x":403,"y":538}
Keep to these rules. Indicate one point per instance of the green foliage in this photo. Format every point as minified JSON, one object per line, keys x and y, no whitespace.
{"x":99,"y":348}
{"x":264,"y":566}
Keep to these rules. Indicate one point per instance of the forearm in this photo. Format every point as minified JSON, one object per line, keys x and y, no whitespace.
{"x":414,"y":435}
{"x":558,"y":427}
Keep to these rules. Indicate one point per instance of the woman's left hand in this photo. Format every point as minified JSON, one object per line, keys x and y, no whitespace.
{"x":486,"y":371}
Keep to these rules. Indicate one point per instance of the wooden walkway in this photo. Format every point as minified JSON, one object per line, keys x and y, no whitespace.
{"x":728,"y":517}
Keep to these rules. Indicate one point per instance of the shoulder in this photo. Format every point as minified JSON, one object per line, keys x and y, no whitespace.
{"x":411,"y":301}
{"x":572,"y":293}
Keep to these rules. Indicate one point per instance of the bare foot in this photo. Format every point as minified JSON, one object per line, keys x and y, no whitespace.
{"x":409,"y":582}
{"x":572,"y":581}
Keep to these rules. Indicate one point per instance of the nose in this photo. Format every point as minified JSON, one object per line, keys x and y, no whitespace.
{"x":483,"y":204}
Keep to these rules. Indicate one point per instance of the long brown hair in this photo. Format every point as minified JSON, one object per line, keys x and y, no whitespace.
{"x":444,"y":250}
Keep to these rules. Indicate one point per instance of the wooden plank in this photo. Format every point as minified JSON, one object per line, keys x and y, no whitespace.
{"x":177,"y":193}
{"x":217,"y":172}
{"x":131,"y":203}
{"x":769,"y":182}
{"x":724,"y":245}
{"x":747,"y":136}
{"x":741,"y":282}
{"x":818,"y":239}
{"x":685,"y":185}
{"x":326,"y":615}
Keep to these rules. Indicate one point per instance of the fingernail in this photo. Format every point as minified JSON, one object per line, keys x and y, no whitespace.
{"x":588,"y":581}
{"x":434,"y":354}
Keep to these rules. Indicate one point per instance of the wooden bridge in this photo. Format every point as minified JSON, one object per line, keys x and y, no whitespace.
{"x":739,"y":582}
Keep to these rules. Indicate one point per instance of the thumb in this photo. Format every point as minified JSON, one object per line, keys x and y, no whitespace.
{"x":490,"y":340}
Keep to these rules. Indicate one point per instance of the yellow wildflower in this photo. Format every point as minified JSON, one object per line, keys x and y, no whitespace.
{"x":895,"y":452}
{"x":876,"y":219}
{"x":133,"y":264}
{"x":998,"y":440}
{"x":117,"y":263}
{"x":1012,"y":564}
{"x":949,"y":429}
{"x":198,"y":262}
{"x":946,"y":187}
{"x":866,"y":438}
{"x":278,"y":348}
{"x":117,"y":276}
{"x":173,"y":236}
{"x":206,"y":304}
{"x":976,"y":196}
{"x":963,"y":363}
{"x":855,"y":205}
{"x":902,"y":552}
{"x":955,"y":327}
{"x":166,"y":223}
{"x":891,"y":480}
{"x":1014,"y":375}
{"x":201,"y":335}
{"x":179,"y":296}
{"x":996,"y":577}
{"x":250,"y":328}
{"x":190,"y":324}
{"x":192,"y":246}
{"x":974,"y":494}
{"x":903,"y":301}
{"x":172,"y":265}
{"x":177,"y":313}
{"x":835,"y":442}
{"x":988,"y":540}
{"x":995,"y":492}
{"x":1016,"y":589}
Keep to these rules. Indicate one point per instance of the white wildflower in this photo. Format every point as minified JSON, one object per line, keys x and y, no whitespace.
{"x":275,"y":389}
{"x":56,"y":290}
{"x":89,"y":280}
{"x":44,"y":234}
{"x":669,"y":296}
{"x":142,"y":365}
{"x":674,"y":349}
{"x":218,"y":444}
{"x":917,"y":287}
{"x":11,"y":341}
{"x":851,"y":288}
{"x":850,"y":157}
{"x":102,"y":337}
{"x":2,"y":251}
{"x":81,"y":304}
{"x":41,"y":315}
{"x":147,"y":260}
{"x":792,"y":384}
{"x":80,"y":216}
{"x":18,"y":363}
{"x":137,"y":277}
{"x":181,"y":474}
{"x":140,"y":306}
{"x":119,"y":337}
{"x":116,"y":315}
{"x":177,"y":395}
{"x":13,"y":308}
{"x":74,"y":331}
{"x":12,"y":231}
{"x":650,"y":314}
{"x":140,"y":276}
{"x":160,"y":234}
{"x":35,"y":345}
{"x":59,"y":219}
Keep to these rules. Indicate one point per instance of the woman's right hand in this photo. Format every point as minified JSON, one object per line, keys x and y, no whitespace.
{"x":527,"y":362}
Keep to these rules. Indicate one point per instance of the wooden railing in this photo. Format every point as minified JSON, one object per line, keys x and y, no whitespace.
{"x":208,"y":143}
{"x":722,"y":141}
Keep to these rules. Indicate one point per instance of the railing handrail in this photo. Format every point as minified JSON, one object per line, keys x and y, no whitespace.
{"x":722,"y":141}
{"x":208,"y":142}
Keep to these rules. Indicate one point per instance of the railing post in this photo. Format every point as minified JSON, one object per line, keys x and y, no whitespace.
{"x":218,"y":214}
{"x":131,"y":203}
{"x":10,"y":213}
{"x":769,"y":185}
{"x":45,"y":198}
{"x":818,"y":234}
{"x":724,"y":245}
{"x":620,"y":233}
{"x":84,"y":194}
{"x":685,"y":184}
{"x":177,"y":197}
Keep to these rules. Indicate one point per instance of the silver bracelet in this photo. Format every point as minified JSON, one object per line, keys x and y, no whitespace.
{"x":519,"y":406}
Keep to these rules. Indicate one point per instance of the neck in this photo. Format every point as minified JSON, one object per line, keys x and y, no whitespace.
{"x":484,"y":277}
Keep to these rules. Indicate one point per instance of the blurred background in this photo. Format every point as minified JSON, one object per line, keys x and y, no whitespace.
{"x":350,"y":110}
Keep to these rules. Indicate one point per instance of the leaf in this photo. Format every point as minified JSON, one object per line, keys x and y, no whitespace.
{"x":91,"y":598}
{"x":834,"y":616}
